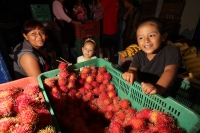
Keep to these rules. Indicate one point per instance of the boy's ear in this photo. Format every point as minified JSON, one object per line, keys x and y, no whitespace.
{"x":164,"y":36}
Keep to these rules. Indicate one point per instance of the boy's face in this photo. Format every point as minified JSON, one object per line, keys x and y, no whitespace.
{"x":88,"y":50}
{"x":149,"y":38}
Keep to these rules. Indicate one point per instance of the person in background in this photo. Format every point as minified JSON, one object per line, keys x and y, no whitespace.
{"x":156,"y":65}
{"x":110,"y":27}
{"x":88,"y":50}
{"x":79,"y":11}
{"x":64,"y":31}
{"x":29,"y":57}
{"x":125,"y":9}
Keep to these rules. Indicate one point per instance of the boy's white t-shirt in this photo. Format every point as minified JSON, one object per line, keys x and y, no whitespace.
{"x":82,"y":59}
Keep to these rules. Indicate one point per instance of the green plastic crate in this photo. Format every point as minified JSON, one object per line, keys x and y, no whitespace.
{"x":41,"y":12}
{"x":187,"y":118}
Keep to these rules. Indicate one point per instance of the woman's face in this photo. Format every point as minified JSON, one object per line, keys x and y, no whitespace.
{"x":36,"y":38}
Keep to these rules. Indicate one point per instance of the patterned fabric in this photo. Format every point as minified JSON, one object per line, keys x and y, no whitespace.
{"x":79,"y":12}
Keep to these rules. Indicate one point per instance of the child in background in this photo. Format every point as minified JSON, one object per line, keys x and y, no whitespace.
{"x":88,"y":50}
{"x":156,"y":65}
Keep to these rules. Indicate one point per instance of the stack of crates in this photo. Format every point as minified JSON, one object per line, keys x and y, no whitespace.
{"x":89,"y":29}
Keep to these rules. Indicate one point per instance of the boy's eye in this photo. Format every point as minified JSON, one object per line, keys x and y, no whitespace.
{"x":152,"y":35}
{"x":139,"y":38}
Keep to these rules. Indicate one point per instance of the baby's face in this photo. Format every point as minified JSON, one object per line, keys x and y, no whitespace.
{"x":88,"y":50}
{"x":149,"y":38}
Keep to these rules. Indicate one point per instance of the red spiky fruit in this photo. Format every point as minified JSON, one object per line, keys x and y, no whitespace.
{"x":106,"y":76}
{"x":108,"y":115}
{"x":81,"y":81}
{"x":120,"y":115}
{"x":101,"y":69}
{"x":116,"y":107}
{"x":116,"y":100}
{"x":99,"y":78}
{"x":6,"y":123}
{"x":82,"y":90}
{"x":89,"y":96}
{"x":48,"y":129}
{"x":110,"y":87}
{"x":106,"y":82}
{"x":62,"y":82}
{"x":27,"y":116}
{"x":63,"y":66}
{"x":144,"y":113}
{"x":44,"y":117}
{"x":22,"y":101}
{"x":31,"y":90}
{"x":124,"y":103}
{"x":83,"y":75}
{"x":107,"y":101}
{"x":9,"y":93}
{"x":63,"y":88}
{"x":85,"y":70}
{"x":102,"y":88}
{"x":138,"y":123}
{"x":63,"y":74}
{"x":154,"y":116}
{"x":116,"y":128}
{"x":72,"y":77}
{"x":71,"y":84}
{"x":165,"y":119}
{"x":89,"y":79}
{"x":88,"y":86}
{"x":18,"y":128}
{"x":50,"y":82}
{"x":6,"y":106}
{"x":55,"y":93}
{"x":111,"y":94}
{"x":103,"y":95}
{"x":96,"y":91}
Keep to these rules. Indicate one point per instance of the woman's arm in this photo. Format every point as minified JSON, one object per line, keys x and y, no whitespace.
{"x":129,"y":8}
{"x":30,"y":65}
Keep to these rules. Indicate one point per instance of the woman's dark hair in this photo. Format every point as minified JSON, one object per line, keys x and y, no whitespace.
{"x":160,"y":24}
{"x":31,"y":25}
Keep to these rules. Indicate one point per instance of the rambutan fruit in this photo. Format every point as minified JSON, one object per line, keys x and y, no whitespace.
{"x":71,"y":84}
{"x":31,"y":90}
{"x":50,"y":82}
{"x":99,"y":102}
{"x":102,"y":88}
{"x":110,"y":107}
{"x":106,"y":82}
{"x":107,"y":101}
{"x":27,"y":116}
{"x":44,"y":117}
{"x":111,"y":94}
{"x":6,"y":106}
{"x":48,"y":129}
{"x":108,"y":115}
{"x":63,"y":88}
{"x":88,"y":86}
{"x":82,"y":90}
{"x":116,"y":107}
{"x":154,"y":116}
{"x":85,"y":70}
{"x":121,"y":115}
{"x":130,"y":112}
{"x":106,"y":76}
{"x":63,"y":66}
{"x":116,"y":128}
{"x":103,"y":95}
{"x":62,"y":82}
{"x":99,"y":78}
{"x":21,"y":128}
{"x":83,"y":76}
{"x":138,"y":123}
{"x":78,"y":95}
{"x":72,"y":93}
{"x":72,"y":77}
{"x":88,"y":96}
{"x":63,"y":74}
{"x":22,"y":102}
{"x":89,"y":79}
{"x":55,"y":93}
{"x":124,"y":103}
{"x":96,"y":91}
{"x":116,"y":100}
{"x":102,"y":69}
{"x":110,"y":87}
{"x":6,"y":123}
{"x":144,"y":113}
{"x":4,"y":94}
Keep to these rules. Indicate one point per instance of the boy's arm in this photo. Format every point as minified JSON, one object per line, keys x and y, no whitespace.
{"x":131,"y":75}
{"x":167,"y":78}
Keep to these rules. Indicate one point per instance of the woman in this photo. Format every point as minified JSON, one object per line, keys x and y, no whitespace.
{"x":29,"y":58}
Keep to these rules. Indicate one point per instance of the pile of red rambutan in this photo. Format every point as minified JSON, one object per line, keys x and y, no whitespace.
{"x":23,"y":111}
{"x":90,"y":105}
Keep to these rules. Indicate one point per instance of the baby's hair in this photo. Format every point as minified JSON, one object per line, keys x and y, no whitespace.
{"x":90,"y":40}
{"x":160,"y":24}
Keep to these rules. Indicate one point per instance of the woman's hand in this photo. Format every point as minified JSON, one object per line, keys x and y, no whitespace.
{"x":148,"y":88}
{"x":128,"y":77}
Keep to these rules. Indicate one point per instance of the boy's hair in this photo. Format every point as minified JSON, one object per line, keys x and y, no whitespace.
{"x":160,"y":24}
{"x":90,"y":40}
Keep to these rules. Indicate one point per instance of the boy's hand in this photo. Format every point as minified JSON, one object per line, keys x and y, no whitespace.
{"x":128,"y":77}
{"x":148,"y":88}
